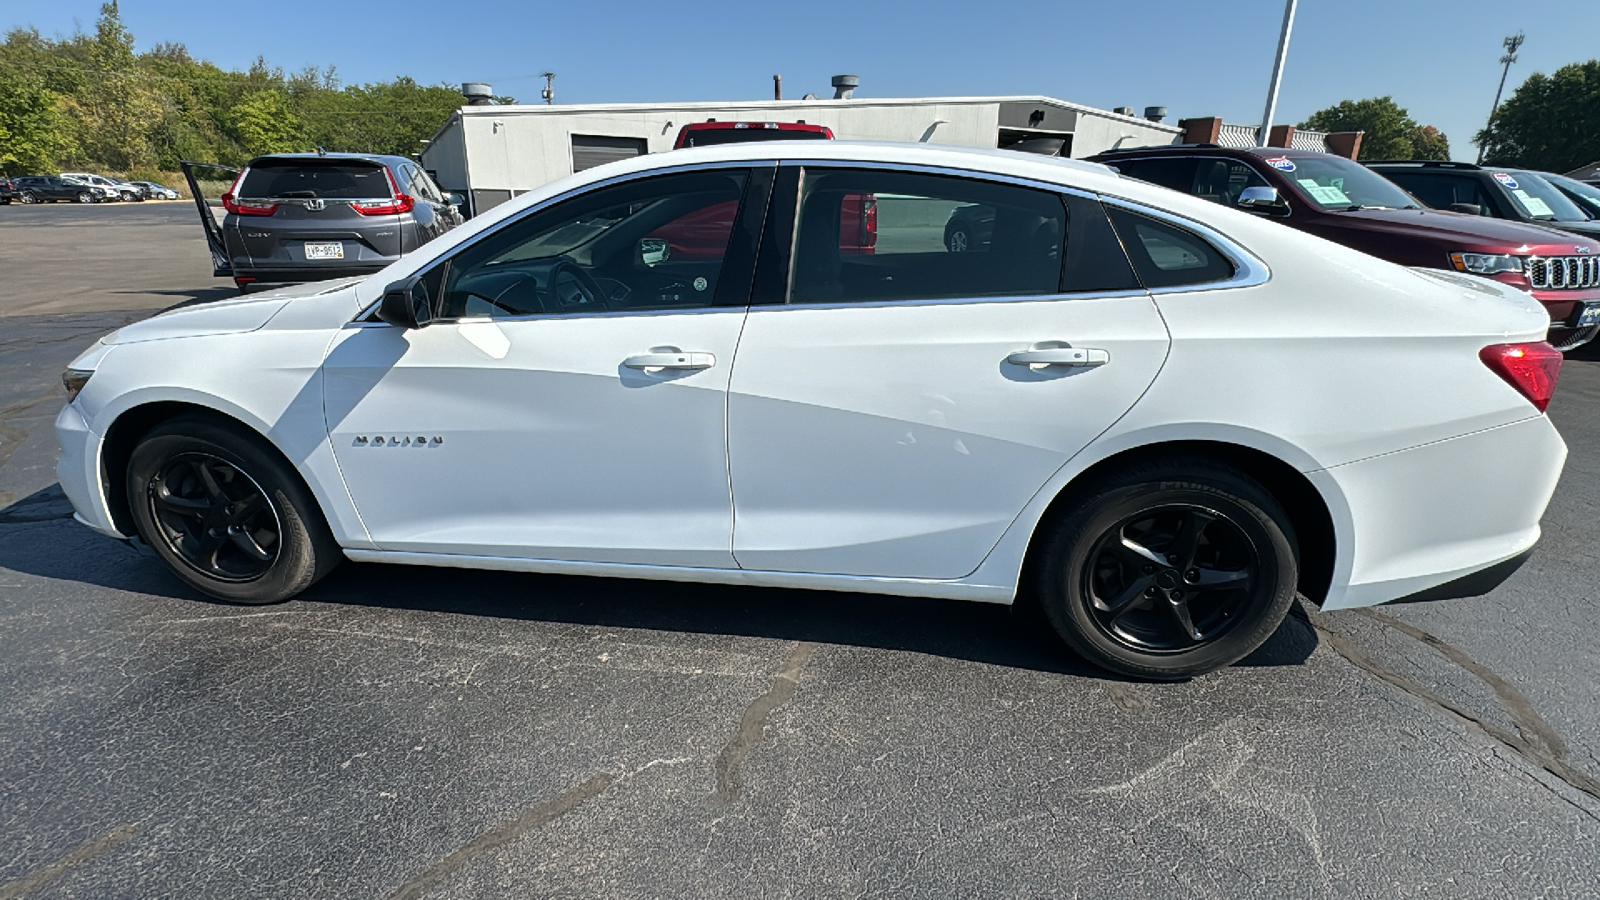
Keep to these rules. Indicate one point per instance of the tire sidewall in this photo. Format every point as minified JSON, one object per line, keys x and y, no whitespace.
{"x":305,"y":547}
{"x":1066,"y":603}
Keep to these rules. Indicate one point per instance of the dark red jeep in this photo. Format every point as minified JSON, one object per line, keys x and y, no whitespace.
{"x":1347,"y":203}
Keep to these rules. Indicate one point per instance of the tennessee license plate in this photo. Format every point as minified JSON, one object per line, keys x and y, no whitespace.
{"x":327,"y":250}
{"x":1591,"y":316}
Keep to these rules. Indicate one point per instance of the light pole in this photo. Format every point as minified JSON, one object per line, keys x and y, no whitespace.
{"x":1277,"y":73}
{"x":1511,"y":44}
{"x":549,"y":92}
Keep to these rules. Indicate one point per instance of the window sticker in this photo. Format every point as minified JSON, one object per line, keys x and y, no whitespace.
{"x":1327,"y":195}
{"x":1506,"y":179}
{"x":1534,"y":205}
{"x":1281,"y":163}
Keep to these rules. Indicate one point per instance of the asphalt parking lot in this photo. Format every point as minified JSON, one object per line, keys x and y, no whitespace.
{"x":404,"y":732}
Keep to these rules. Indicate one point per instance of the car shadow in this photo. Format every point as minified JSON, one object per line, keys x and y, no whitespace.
{"x":190,"y":297}
{"x":976,"y":632}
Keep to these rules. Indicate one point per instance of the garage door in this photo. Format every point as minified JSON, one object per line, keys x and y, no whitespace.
{"x":589,"y":150}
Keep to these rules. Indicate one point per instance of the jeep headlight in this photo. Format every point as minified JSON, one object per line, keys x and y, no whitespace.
{"x":1485,"y":263}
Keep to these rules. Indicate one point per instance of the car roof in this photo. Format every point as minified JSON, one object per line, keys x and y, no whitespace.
{"x":747,"y":123}
{"x":366,"y":157}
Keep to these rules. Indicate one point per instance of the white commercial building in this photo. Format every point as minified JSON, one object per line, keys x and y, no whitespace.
{"x":493,"y":153}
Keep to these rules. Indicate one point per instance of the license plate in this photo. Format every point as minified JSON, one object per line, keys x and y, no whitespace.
{"x":1591,"y":316}
{"x":329,"y":250}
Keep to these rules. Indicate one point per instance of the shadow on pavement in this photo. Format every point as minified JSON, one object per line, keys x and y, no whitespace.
{"x":984,"y":633}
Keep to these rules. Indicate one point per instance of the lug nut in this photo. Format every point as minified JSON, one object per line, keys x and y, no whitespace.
{"x":1192,"y":576}
{"x":1149,"y":570}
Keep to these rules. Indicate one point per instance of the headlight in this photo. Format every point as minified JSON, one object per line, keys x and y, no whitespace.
{"x":1485,"y":263}
{"x":74,"y":380}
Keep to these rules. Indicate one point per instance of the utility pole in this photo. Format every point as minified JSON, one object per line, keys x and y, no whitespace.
{"x":549,"y":92}
{"x":1277,"y":74}
{"x":1511,"y":44}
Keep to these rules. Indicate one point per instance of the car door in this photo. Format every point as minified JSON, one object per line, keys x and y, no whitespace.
{"x":568,"y":402}
{"x":221,"y":263}
{"x":890,"y":414}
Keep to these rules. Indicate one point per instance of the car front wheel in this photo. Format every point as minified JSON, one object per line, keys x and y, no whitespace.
{"x":1169,"y":570}
{"x":85,"y":197}
{"x":227,"y":514}
{"x":29,"y":197}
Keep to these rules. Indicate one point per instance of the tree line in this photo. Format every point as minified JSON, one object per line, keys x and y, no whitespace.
{"x":90,"y":102}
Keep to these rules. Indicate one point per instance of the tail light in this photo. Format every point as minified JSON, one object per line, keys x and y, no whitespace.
{"x":231,"y":203}
{"x":398,"y":202}
{"x":1530,"y":368}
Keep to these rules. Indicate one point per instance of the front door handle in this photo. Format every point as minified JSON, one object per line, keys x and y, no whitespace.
{"x":671,"y":361}
{"x":1060,"y":356}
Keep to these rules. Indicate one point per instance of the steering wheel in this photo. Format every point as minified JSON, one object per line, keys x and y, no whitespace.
{"x":579,"y":292}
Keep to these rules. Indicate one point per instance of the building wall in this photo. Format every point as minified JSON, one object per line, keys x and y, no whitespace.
{"x":512,"y":149}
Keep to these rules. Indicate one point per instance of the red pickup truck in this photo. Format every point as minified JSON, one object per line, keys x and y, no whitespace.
{"x":705,"y":233}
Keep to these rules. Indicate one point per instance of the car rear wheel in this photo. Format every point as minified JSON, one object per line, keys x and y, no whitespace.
{"x":29,"y":197}
{"x":1169,"y":570}
{"x":227,"y":514}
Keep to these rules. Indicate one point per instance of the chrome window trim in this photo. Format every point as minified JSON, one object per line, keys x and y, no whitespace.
{"x":1248,"y":269}
{"x":534,"y":317}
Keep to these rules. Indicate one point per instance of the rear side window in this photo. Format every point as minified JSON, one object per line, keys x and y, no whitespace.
{"x":1176,"y":173}
{"x":1167,"y":256}
{"x":328,"y":181}
{"x":935,"y":237}
{"x":1440,"y":191}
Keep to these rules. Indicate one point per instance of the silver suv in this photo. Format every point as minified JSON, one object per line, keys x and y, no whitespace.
{"x":311,"y":216}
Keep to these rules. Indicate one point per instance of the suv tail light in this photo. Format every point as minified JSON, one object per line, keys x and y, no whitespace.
{"x":231,"y":203}
{"x":1530,"y":368}
{"x":398,"y":202}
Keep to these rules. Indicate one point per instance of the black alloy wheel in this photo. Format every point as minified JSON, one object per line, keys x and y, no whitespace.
{"x":227,"y":513}
{"x":1168,"y":570}
{"x":215,"y":517}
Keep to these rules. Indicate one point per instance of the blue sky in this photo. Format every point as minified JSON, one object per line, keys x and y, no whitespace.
{"x":1438,"y":59}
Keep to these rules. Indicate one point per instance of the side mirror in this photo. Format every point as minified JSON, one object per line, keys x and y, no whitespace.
{"x":1471,"y":209}
{"x":1262,"y":199}
{"x":453,"y":198}
{"x":654,"y":251}
{"x":406,"y":304}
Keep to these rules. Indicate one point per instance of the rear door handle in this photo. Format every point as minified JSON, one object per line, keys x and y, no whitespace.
{"x":671,"y":361}
{"x":1060,"y":356}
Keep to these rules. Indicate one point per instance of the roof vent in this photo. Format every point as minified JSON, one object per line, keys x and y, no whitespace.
{"x":477,"y":93}
{"x":844,"y":86}
{"x":1123,"y":110}
{"x":1155,"y":113}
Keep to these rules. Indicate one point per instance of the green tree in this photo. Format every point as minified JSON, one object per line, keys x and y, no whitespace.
{"x":1391,"y":133}
{"x":118,"y":106}
{"x":265,"y":122}
{"x":34,"y":131}
{"x":1550,"y":123}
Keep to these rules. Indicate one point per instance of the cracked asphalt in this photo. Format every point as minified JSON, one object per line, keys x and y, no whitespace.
{"x":409,"y":733}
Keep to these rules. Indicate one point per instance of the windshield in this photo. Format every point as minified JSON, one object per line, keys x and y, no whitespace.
{"x":1588,"y":196}
{"x":1539,"y":199}
{"x":1335,"y":183}
{"x":706,"y":137}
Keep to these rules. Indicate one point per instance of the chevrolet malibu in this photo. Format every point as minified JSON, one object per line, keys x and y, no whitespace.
{"x":1156,"y":418}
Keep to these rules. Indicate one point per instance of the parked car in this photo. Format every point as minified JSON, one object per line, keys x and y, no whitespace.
{"x":1515,"y":194}
{"x":1161,"y":423}
{"x":1347,"y":203}
{"x":295,"y":217}
{"x":712,"y":133}
{"x":1584,"y":195}
{"x":155,"y":191}
{"x":118,"y":190}
{"x":52,"y":189}
{"x":8,"y":190}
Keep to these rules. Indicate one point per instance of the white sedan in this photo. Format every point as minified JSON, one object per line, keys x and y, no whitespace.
{"x":761,"y":364}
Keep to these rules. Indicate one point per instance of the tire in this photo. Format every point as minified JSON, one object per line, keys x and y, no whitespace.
{"x":957,"y":240}
{"x":1120,"y":579}
{"x":28,"y":197}
{"x":84,"y":197}
{"x":226,"y":514}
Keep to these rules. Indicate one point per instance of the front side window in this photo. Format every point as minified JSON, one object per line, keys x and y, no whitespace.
{"x":932,"y":237}
{"x":1444,"y":191}
{"x":1167,"y":256}
{"x":656,"y":243}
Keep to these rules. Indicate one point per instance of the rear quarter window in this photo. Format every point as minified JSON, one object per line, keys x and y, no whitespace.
{"x":1166,"y":256}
